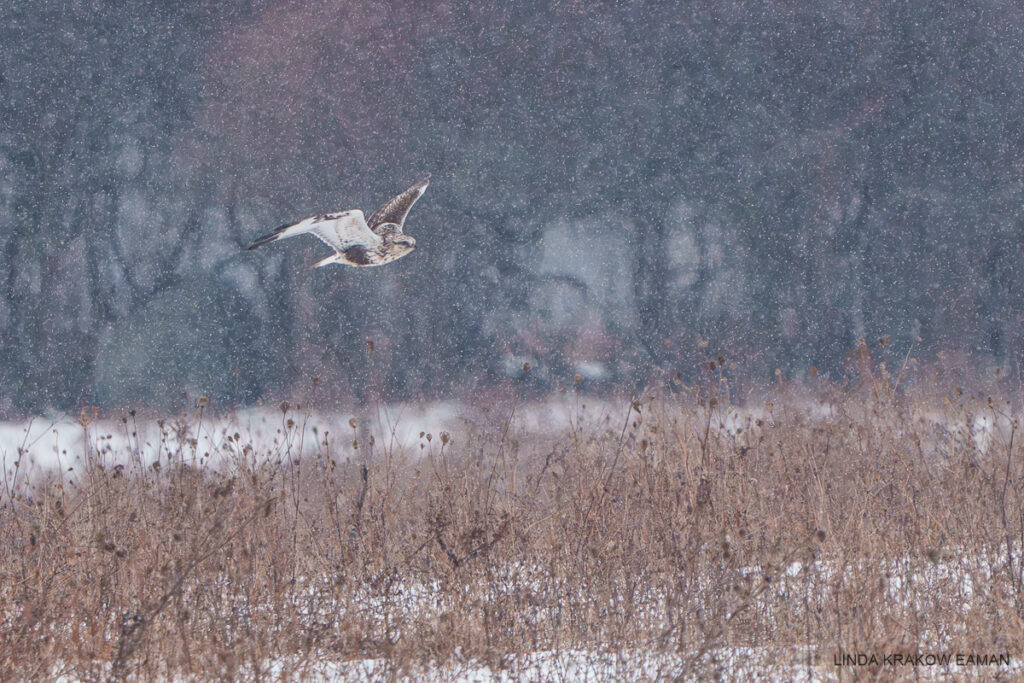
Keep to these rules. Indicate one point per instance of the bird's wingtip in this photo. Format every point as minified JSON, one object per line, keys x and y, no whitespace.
{"x":265,"y":239}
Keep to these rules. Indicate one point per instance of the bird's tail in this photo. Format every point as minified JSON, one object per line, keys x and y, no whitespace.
{"x":333,"y":258}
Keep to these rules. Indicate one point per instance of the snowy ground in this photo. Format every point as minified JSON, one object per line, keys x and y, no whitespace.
{"x":580,"y":666}
{"x":576,"y":666}
{"x":270,"y":433}
{"x":402,"y":429}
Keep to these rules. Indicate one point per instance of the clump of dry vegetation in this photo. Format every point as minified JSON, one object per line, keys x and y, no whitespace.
{"x":825,"y":520}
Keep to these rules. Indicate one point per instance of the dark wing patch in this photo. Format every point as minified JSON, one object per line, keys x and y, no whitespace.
{"x":395,"y":210}
{"x":357,"y":256}
{"x":331,"y":216}
{"x":270,"y":237}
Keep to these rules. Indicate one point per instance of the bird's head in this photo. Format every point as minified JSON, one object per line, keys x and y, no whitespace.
{"x":401,"y":245}
{"x":397,"y":241}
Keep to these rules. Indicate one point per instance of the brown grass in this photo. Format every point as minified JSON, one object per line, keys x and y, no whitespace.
{"x":682,"y":533}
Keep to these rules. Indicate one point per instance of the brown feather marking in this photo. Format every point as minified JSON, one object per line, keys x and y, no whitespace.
{"x":397,"y":208}
{"x":357,"y":256}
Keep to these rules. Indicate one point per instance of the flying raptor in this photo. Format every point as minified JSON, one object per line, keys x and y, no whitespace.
{"x":357,"y":241}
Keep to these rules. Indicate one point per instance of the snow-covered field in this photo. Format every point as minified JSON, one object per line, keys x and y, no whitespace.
{"x":765,"y":457}
{"x":581,"y":666}
{"x":61,"y":441}
{"x":572,"y":666}
{"x":400,"y":429}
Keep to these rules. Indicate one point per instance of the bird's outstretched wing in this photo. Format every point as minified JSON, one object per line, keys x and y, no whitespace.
{"x":340,"y":230}
{"x":395,"y":210}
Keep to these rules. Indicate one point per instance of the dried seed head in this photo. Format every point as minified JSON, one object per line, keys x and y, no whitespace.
{"x":445,"y":437}
{"x":526,"y":367}
{"x":353,"y":423}
{"x":285,"y":406}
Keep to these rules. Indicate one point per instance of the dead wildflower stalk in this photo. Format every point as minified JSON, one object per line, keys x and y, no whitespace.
{"x":812,"y":521}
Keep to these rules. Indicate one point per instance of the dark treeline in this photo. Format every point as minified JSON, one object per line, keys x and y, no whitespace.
{"x":619,"y":189}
